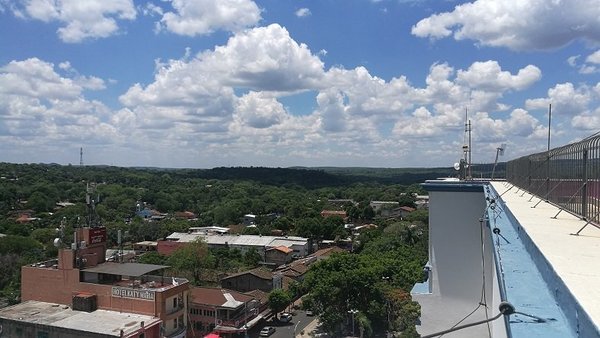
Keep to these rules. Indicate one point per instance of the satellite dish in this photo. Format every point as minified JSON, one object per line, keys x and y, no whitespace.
{"x":456,"y":166}
{"x":57,"y":242}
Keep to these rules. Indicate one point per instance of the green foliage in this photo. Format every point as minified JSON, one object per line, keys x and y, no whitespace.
{"x":279,"y":299}
{"x":320,"y":228}
{"x":191,"y":259}
{"x":419,"y":215}
{"x":283,"y":198}
{"x":363,"y":282}
{"x":153,"y":257}
{"x":44,"y":236}
{"x":19,"y":245}
{"x":407,"y":200}
{"x":252,"y":258}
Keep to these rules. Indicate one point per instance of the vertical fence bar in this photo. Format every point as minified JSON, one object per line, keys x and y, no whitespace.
{"x":584,"y":191}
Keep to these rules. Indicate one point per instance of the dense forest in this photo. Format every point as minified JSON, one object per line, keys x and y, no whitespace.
{"x":35,"y":199}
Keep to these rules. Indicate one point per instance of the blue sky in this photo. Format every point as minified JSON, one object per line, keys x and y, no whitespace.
{"x":377,"y":83}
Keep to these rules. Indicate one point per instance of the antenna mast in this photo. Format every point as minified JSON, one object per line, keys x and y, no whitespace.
{"x":81,"y":157}
{"x":92,"y":218}
{"x":467,"y":146}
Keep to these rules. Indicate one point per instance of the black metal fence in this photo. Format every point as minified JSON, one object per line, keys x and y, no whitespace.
{"x":568,"y":176}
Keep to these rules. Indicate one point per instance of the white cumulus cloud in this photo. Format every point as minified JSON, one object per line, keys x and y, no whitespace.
{"x":303,"y":12}
{"x":201,"y":17}
{"x":518,"y":25}
{"x":82,"y":20}
{"x":41,"y":106}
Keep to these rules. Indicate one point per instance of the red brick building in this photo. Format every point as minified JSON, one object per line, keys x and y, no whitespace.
{"x":81,"y":278}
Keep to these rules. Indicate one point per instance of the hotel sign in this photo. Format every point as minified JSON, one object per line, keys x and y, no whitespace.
{"x":132,"y":293}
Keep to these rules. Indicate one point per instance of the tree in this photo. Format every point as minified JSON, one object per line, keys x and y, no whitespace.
{"x":152,"y":257}
{"x":192,"y":258}
{"x":407,"y":200}
{"x":279,"y":299}
{"x":368,"y":213}
{"x":252,"y":258}
{"x":44,"y":236}
{"x":419,"y":215}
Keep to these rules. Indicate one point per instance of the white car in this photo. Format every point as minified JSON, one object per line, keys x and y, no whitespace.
{"x":267,"y":331}
{"x":285,"y":317}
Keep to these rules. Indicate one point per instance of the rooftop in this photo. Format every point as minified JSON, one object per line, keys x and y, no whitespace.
{"x":567,"y":263}
{"x":282,"y":248}
{"x":218,"y":297}
{"x":239,"y":240}
{"x":528,"y":254}
{"x":125,"y":269}
{"x":103,"y":322}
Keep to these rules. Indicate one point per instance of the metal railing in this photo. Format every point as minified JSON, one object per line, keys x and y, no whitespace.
{"x":568,"y":176}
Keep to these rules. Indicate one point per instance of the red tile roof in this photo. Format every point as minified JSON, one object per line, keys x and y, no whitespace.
{"x":281,"y":248}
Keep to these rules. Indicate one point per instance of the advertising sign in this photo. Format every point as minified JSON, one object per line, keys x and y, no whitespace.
{"x":132,"y":293}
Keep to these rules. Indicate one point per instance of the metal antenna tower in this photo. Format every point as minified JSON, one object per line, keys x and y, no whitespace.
{"x":92,"y":219}
{"x":467,"y":146}
{"x":81,"y":157}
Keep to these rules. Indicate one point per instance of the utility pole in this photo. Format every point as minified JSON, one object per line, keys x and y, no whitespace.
{"x":352,"y":312}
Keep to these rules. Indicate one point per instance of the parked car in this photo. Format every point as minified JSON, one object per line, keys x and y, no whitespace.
{"x":309,"y":313}
{"x":285,"y":317}
{"x":267,"y":331}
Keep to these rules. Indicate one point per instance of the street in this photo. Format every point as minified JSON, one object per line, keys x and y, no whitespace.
{"x":286,"y":330}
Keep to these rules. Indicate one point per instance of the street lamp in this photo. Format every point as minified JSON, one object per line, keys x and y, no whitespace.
{"x":353,"y":312}
{"x":295,"y":327}
{"x":252,"y":303}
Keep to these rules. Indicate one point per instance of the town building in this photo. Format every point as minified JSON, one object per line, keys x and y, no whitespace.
{"x":144,"y":246}
{"x":256,"y":279}
{"x":249,"y":219}
{"x":298,"y":245}
{"x":278,"y":255}
{"x":82,"y":279}
{"x":334,"y":213}
{"x":381,"y":206}
{"x":186,"y":215}
{"x":50,"y":320}
{"x":222,"y":311}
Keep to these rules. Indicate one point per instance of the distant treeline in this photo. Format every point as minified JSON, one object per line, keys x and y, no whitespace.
{"x":309,"y":178}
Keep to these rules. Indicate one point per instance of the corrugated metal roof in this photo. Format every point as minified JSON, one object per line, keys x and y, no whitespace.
{"x":239,"y":240}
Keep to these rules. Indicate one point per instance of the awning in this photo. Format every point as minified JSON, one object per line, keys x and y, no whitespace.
{"x":212,"y":335}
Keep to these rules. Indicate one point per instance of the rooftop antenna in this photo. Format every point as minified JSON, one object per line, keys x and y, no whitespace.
{"x":81,"y":157}
{"x":467,"y":147}
{"x":92,"y":217}
{"x":499,"y":152}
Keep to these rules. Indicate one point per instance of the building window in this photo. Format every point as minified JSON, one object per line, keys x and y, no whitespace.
{"x":42,"y":334}
{"x":175,"y":302}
